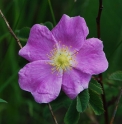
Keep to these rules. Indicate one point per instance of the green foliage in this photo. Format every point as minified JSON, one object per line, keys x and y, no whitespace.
{"x":49,"y":25}
{"x":23,"y":34}
{"x":1,"y":100}
{"x":72,"y":115}
{"x":116,"y":76}
{"x":95,"y":86}
{"x":82,"y":101}
{"x":92,"y":97}
{"x":95,"y":102}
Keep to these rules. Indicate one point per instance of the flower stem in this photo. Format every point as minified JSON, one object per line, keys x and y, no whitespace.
{"x":115,"y":110}
{"x":54,"y":21}
{"x":54,"y":118}
{"x":100,"y":75}
{"x":9,"y":28}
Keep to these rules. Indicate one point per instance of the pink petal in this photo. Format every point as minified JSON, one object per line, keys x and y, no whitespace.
{"x":37,"y":78}
{"x":75,"y":81}
{"x":39,"y":44}
{"x":91,"y":58}
{"x":71,"y":31}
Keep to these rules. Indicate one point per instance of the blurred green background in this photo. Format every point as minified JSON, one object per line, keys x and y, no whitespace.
{"x":21,"y":107}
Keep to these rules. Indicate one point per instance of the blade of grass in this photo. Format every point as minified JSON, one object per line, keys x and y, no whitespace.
{"x":51,"y":9}
{"x":11,"y":79}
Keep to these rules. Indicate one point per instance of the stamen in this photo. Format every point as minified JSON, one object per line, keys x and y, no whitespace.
{"x":61,"y":59}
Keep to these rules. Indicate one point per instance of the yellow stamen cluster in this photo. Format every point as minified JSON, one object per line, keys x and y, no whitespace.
{"x":61,"y":59}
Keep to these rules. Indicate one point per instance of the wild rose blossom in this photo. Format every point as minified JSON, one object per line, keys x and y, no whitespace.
{"x":60,"y":59}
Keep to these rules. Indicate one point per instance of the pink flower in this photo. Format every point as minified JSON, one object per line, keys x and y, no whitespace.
{"x":60,"y":59}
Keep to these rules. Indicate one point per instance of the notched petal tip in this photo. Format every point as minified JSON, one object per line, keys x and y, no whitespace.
{"x":71,"y":31}
{"x":37,"y":28}
{"x":72,"y":92}
{"x":79,"y":21}
{"x":75,"y":82}
{"x":37,"y":78}
{"x":91,"y":57}
{"x":44,"y":97}
{"x":39,"y":44}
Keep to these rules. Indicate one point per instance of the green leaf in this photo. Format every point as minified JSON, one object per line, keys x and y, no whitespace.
{"x":95,"y":86}
{"x":1,"y":100}
{"x":23,"y":34}
{"x":82,"y":101}
{"x":72,"y":115}
{"x":116,"y":76}
{"x":49,"y":25}
{"x":96,"y":102}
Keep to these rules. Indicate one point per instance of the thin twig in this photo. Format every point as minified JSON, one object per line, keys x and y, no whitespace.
{"x":11,"y":31}
{"x":20,"y":45}
{"x":100,"y":75}
{"x":115,"y":110}
{"x":98,"y":18}
{"x":52,"y":113}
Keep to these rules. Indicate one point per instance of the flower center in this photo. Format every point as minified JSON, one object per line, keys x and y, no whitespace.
{"x":61,"y":59}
